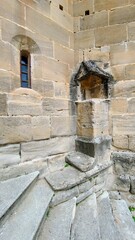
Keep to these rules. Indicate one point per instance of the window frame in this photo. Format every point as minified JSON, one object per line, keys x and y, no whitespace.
{"x":26,"y":54}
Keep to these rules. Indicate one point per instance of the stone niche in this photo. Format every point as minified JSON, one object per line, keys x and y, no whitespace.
{"x":93,"y":111}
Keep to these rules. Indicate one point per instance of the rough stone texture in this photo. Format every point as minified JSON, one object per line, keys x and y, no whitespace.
{"x":81,"y":161}
{"x":9,"y":155}
{"x":59,"y":221}
{"x":84,"y":195}
{"x":12,"y":189}
{"x":132,"y":190}
{"x":29,"y":214}
{"x":122,"y":183}
{"x":85,"y":225}
{"x":108,"y":228}
{"x":3,"y":104}
{"x":65,"y":179}
{"x":124,"y":219}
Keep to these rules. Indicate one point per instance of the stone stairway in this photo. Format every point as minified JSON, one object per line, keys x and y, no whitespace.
{"x":70,"y":204}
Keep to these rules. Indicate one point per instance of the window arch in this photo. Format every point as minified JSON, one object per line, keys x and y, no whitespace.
{"x":25,"y":69}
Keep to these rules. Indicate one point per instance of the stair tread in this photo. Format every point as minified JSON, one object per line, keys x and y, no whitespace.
{"x":108,"y":228}
{"x":81,"y":161}
{"x":23,"y":223}
{"x":65,"y":179}
{"x":85,"y":226}
{"x":11,"y":190}
{"x":58,"y":224}
{"x":123,"y":219}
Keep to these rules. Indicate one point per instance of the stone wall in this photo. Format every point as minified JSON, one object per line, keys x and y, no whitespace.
{"x":107,"y":35}
{"x":36,"y":124}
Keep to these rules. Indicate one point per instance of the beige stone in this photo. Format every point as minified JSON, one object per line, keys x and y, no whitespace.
{"x":15,"y":129}
{"x":40,"y":6}
{"x":94,"y":20}
{"x":39,"y":150}
{"x":94,"y":54}
{"x":5,"y":56}
{"x":40,"y":127}
{"x":79,"y":7}
{"x":3,"y":104}
{"x":124,"y":124}
{"x":122,"y":15}
{"x":45,"y":88}
{"x":64,"y":54}
{"x":118,"y":105}
{"x":84,"y":39}
{"x":110,"y":35}
{"x":124,"y":89}
{"x":130,"y":71}
{"x":120,"y":142}
{"x":55,"y":107}
{"x":9,"y":155}
{"x":76,"y":24}
{"x":118,"y":72}
{"x":109,"y":4}
{"x":61,"y":90}
{"x":56,"y":163}
{"x":63,"y":126}
{"x":132,"y":143}
{"x":8,"y":81}
{"x":131,"y":31}
{"x":131,"y":105}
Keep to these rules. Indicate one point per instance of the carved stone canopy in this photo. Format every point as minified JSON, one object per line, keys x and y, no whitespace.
{"x":93,"y":78}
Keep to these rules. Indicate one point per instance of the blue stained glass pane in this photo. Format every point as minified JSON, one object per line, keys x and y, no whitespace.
{"x":24,"y":68}
{"x":24,"y":60}
{"x":24,"y":77}
{"x":24,"y":84}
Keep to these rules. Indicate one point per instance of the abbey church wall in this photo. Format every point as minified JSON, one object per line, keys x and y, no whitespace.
{"x":36,"y":122}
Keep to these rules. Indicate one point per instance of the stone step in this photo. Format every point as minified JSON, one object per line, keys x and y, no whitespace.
{"x":59,"y":221}
{"x":12,"y":189}
{"x":123,"y":219}
{"x":25,"y":220}
{"x":81,"y":161}
{"x":65,"y":179}
{"x":85,"y":226}
{"x":108,"y":228}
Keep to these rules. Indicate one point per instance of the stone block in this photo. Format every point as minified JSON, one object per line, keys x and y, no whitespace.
{"x":124,"y":89}
{"x":132,"y":178}
{"x":131,"y":31}
{"x":131,"y":102}
{"x":64,"y":3}
{"x":110,"y":35}
{"x":122,"y":15}
{"x":9,"y":155}
{"x":120,"y":142}
{"x":132,"y":143}
{"x":94,"y":20}
{"x":5,"y":56}
{"x":40,"y":127}
{"x":84,"y":39}
{"x":47,"y":69}
{"x":63,"y":126}
{"x":99,"y":56}
{"x":55,"y":107}
{"x":118,"y":105}
{"x":56,"y":163}
{"x":15,"y":129}
{"x":42,"y":149}
{"x":45,"y":88}
{"x":122,"y":183}
{"x":14,"y":7}
{"x":84,"y":187}
{"x":118,"y":72}
{"x":61,"y":90}
{"x":50,"y":29}
{"x":62,"y":18}
{"x":64,"y":54}
{"x":124,"y":162}
{"x":40,"y":6}
{"x":108,"y":4}
{"x":79,"y":7}
{"x":130,"y":71}
{"x":3,"y":104}
{"x":124,"y":124}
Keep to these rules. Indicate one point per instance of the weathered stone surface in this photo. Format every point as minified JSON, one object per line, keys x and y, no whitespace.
{"x":85,"y":225}
{"x":55,"y":107}
{"x":3,"y":104}
{"x":97,"y":169}
{"x":123,"y":219}
{"x":132,"y":179}
{"x":40,"y":127}
{"x":86,"y":186}
{"x":84,"y":39}
{"x":108,"y":5}
{"x":132,"y":143}
{"x":63,"y":126}
{"x":114,"y":195}
{"x":15,"y":129}
{"x":108,"y":228}
{"x":84,"y":195}
{"x":29,"y":214}
{"x":12,"y":189}
{"x":122,"y":15}
{"x":79,"y":7}
{"x":41,"y":149}
{"x":124,"y":162}
{"x":124,"y":124}
{"x":63,"y":196}
{"x":9,"y":155}
{"x":121,"y":142}
{"x":45,"y":88}
{"x":81,"y":161}
{"x":124,"y":89}
{"x":131,"y":31}
{"x":118,"y":105}
{"x":56,"y":163}
{"x":64,"y":54}
{"x":122,"y":183}
{"x":65,"y":179}
{"x":59,"y":221}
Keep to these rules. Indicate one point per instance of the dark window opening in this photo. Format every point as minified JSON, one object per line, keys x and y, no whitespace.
{"x":87,"y":12}
{"x":25,"y":70}
{"x":61,"y":7}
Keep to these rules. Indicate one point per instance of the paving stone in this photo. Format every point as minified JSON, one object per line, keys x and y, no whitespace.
{"x":124,"y":219}
{"x":107,"y":225}
{"x":12,"y":189}
{"x":65,"y":179}
{"x":84,"y":195}
{"x":98,"y":169}
{"x":24,"y":222}
{"x":81,"y":161}
{"x":58,"y":223}
{"x":85,"y":226}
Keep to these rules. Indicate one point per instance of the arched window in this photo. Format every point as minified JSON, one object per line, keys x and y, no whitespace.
{"x":25,"y":69}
